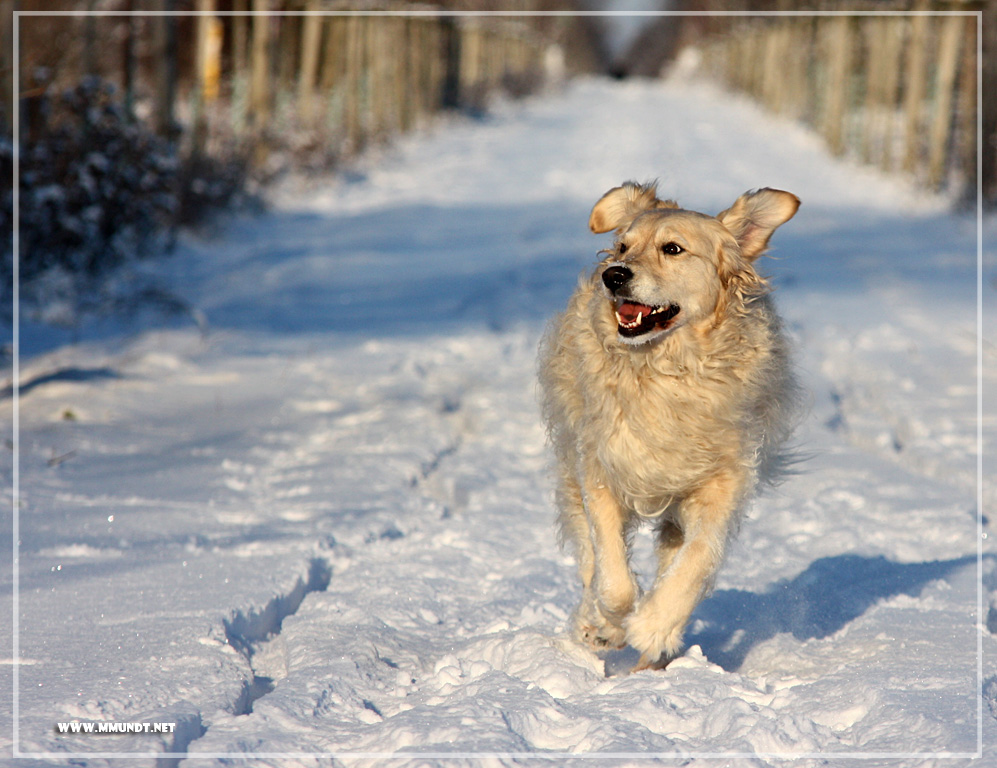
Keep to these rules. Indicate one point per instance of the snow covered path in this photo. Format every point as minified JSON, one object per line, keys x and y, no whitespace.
{"x":325,"y":526}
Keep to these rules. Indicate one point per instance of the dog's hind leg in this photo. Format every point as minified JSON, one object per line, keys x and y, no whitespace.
{"x":670,"y":538}
{"x":705,"y":517}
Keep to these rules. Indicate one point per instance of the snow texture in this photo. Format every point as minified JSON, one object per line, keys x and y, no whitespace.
{"x":321,"y":523}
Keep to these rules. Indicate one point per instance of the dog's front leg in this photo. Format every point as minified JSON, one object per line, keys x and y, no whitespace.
{"x":588,"y":624}
{"x":614,"y":588}
{"x":705,"y":517}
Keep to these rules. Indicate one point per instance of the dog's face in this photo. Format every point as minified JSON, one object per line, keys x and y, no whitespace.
{"x":670,"y":267}
{"x":663,"y":273}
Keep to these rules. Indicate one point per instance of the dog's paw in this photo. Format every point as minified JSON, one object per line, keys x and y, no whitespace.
{"x":658,"y":637}
{"x":604,"y":638}
{"x":591,"y":628}
{"x":645,"y":662}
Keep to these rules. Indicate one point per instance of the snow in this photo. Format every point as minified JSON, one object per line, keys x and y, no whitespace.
{"x":320,"y":523}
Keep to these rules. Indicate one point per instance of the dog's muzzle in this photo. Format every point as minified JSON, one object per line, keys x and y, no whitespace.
{"x":633,"y":318}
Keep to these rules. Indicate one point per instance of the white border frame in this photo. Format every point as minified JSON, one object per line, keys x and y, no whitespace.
{"x":679,"y":755}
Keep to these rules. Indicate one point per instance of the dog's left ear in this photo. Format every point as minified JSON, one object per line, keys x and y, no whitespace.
{"x":755,"y":216}
{"x":621,"y":205}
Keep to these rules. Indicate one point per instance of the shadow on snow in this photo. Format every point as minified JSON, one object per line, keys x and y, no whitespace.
{"x":826,"y":597}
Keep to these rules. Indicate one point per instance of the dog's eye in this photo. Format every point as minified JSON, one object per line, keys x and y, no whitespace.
{"x":623,"y":247}
{"x":672,"y":249}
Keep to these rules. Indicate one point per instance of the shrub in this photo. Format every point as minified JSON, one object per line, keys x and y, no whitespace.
{"x":100,"y":191}
{"x":97,"y":189}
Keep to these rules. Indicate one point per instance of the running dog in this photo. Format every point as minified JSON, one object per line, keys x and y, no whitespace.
{"x":667,"y":393}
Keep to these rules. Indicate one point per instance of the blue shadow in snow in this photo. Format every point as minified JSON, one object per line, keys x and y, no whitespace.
{"x":827,"y":596}
{"x":420,"y":269}
{"x":423,"y":269}
{"x":409,"y":271}
{"x":72,"y":374}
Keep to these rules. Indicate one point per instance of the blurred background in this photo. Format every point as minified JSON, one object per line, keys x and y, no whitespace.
{"x":140,"y":116}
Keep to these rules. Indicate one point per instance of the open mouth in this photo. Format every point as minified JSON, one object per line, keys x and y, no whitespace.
{"x":637,"y":319}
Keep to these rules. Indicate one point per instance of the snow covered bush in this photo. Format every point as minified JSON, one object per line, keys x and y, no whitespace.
{"x":97,"y":189}
{"x":212,"y":183}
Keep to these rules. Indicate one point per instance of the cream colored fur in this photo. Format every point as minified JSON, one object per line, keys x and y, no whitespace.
{"x":677,"y":426}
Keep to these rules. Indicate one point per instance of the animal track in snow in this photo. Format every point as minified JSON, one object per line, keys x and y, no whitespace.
{"x":255,"y":635}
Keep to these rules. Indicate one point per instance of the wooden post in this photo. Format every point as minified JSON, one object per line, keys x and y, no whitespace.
{"x":394,"y":60}
{"x":128,"y":64}
{"x":415,"y":81}
{"x":240,"y":36}
{"x":240,"y":65}
{"x":492,"y":43}
{"x":354,"y":63}
{"x":941,"y":127}
{"x":206,"y":76}
{"x":756,"y":62}
{"x":892,"y":65}
{"x":839,"y":71}
{"x":335,"y":46}
{"x":166,"y":70}
{"x":435,"y":67}
{"x":390,"y":55}
{"x":259,"y":87}
{"x":988,"y":120}
{"x":874,"y":41}
{"x":745,"y":67}
{"x":203,"y":21}
{"x":331,"y":78}
{"x":801,"y":46}
{"x":916,"y":87}
{"x":784,"y":63}
{"x":469,"y":57}
{"x":212,"y":75}
{"x":90,"y":40}
{"x":774,"y":77}
{"x":7,"y":8}
{"x":966,"y":109}
{"x":407,"y":74}
{"x":288,"y":41}
{"x":450,"y":43}
{"x":393,"y":55}
{"x":374,"y":63}
{"x":259,"y":80}
{"x":311,"y":38}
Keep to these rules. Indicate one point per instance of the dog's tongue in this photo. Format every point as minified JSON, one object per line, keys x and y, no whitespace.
{"x":628,"y":311}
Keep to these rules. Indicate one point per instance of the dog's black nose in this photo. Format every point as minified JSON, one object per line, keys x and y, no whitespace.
{"x":616,"y":277}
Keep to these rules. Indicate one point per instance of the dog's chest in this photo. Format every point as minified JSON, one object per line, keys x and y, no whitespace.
{"x":661,"y":434}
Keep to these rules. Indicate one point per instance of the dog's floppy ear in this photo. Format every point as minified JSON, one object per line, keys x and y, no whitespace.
{"x":755,"y":216}
{"x":621,"y":205}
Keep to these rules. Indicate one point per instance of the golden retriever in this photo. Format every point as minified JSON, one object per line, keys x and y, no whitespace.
{"x":667,"y":394}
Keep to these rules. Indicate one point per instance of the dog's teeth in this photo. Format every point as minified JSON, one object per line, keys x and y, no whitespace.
{"x":640,"y":316}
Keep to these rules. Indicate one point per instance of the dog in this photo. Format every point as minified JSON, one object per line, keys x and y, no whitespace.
{"x":668,"y":394}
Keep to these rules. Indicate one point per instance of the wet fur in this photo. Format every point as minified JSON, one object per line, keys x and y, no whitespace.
{"x":680,"y":428}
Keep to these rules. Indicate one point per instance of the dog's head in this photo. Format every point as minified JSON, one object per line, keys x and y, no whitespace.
{"x":671,"y":267}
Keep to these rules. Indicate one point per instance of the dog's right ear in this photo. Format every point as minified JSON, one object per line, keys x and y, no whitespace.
{"x":621,"y":205}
